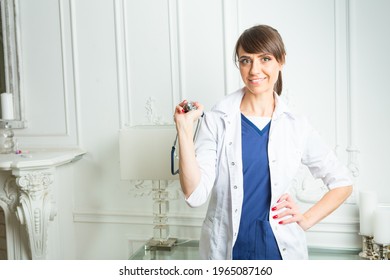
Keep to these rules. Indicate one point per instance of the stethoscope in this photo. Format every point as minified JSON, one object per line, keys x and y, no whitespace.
{"x":187,"y":107}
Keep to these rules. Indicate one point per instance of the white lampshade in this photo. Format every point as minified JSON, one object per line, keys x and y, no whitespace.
{"x":145,"y":152}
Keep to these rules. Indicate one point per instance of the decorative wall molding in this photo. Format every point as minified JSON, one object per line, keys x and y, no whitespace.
{"x":338,"y":225}
{"x":346,"y":113}
{"x":176,"y":57}
{"x":142,"y":218}
{"x":352,"y":149}
{"x":11,"y":60}
{"x":175,"y":52}
{"x":329,"y":231}
{"x":337,"y":234}
{"x":35,"y":136}
{"x":153,"y":117}
{"x":121,"y":43}
{"x":230,"y":35}
{"x":308,"y":190}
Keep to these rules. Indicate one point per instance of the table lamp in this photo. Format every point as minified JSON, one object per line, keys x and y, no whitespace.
{"x":145,"y":155}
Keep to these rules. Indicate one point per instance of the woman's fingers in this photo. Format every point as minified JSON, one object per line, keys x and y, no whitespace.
{"x":181,"y":113}
{"x":283,"y":197}
{"x":286,"y":210}
{"x":285,"y":201}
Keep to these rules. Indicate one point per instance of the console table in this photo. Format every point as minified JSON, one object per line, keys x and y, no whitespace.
{"x":26,"y":194}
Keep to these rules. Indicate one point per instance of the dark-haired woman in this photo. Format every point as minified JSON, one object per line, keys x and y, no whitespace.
{"x":248,"y":150}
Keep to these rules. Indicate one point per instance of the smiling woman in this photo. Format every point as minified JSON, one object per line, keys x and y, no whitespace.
{"x":247,"y":152}
{"x":260,"y":72}
{"x":9,"y":63}
{"x":265,"y":44}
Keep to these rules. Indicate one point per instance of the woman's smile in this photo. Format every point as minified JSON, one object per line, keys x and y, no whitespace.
{"x":257,"y":80}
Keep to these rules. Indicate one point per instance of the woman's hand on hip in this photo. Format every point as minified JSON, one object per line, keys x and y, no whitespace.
{"x":287,"y":211}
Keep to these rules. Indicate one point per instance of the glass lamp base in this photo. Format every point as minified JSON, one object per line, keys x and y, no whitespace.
{"x":154,"y":244}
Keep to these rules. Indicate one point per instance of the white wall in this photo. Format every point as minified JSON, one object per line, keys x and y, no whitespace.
{"x":370,"y":57}
{"x":89,"y":69}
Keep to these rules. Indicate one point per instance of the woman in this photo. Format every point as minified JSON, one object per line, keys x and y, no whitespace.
{"x":248,"y":149}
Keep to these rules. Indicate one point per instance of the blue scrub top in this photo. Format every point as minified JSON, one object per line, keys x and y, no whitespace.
{"x":255,"y":240}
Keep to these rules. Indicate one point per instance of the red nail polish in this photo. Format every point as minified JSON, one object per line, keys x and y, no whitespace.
{"x":273,"y":208}
{"x":281,"y":222}
{"x":275,"y":217}
{"x":182,"y":110}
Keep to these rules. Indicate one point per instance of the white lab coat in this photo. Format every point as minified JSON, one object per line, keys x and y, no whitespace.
{"x":292,"y":142}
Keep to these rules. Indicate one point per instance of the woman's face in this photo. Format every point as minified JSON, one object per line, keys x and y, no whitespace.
{"x":259,"y":71}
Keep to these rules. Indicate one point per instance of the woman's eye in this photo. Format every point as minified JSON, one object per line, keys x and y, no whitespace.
{"x":266,"y":58}
{"x":244,"y":61}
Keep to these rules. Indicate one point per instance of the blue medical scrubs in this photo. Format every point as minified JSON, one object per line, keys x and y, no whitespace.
{"x":255,"y":240}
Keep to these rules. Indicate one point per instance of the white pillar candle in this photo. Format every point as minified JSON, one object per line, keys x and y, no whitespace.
{"x":382,"y":224}
{"x":367,"y":204}
{"x":7,"y":106}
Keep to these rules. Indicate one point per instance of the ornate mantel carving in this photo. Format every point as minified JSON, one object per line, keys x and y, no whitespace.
{"x":36,"y":207}
{"x":10,"y":193}
{"x":27,"y":192}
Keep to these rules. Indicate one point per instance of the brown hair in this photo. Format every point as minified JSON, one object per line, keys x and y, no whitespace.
{"x":263,"y":39}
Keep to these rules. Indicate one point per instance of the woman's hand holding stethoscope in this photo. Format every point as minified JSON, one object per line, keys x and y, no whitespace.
{"x":186,"y":113}
{"x":286,"y":207}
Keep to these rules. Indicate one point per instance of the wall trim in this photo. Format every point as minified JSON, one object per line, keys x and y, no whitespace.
{"x":336,"y":225}
{"x":230,"y":34}
{"x":106,"y":217}
{"x":338,"y":234}
{"x":69,"y":135}
{"x":123,"y":78}
{"x":175,"y":52}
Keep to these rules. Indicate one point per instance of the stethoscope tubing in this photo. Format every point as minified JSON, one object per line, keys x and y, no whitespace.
{"x":173,"y":150}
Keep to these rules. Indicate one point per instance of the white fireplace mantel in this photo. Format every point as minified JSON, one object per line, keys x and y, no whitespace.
{"x":27,"y":192}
